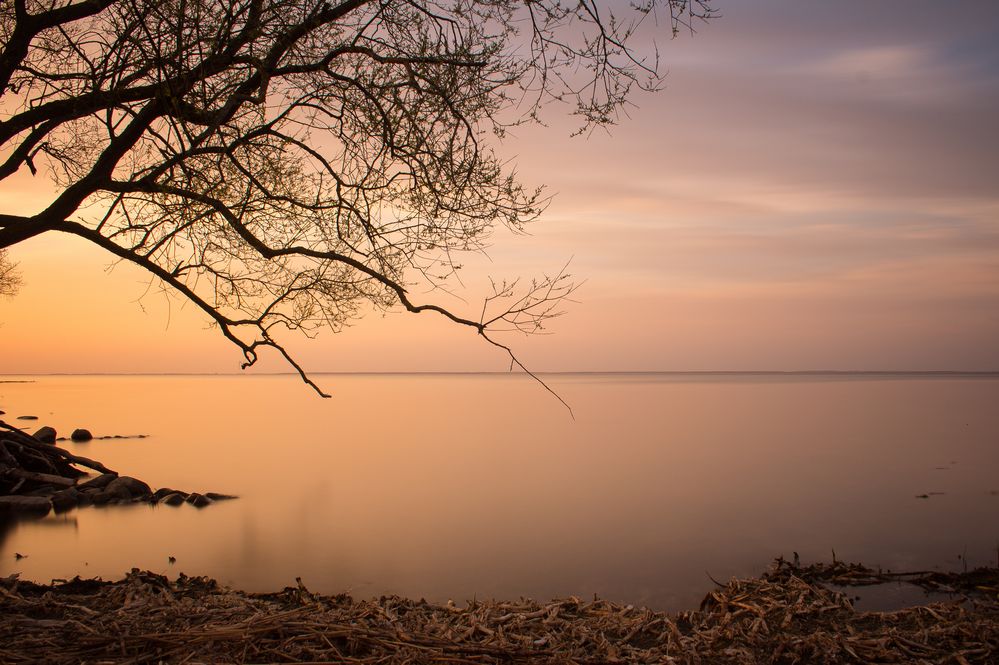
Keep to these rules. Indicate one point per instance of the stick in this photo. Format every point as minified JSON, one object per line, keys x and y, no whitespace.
{"x":40,"y":477}
{"x":32,"y":442}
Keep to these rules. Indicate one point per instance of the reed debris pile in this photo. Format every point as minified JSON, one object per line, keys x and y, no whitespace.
{"x":782,"y":617}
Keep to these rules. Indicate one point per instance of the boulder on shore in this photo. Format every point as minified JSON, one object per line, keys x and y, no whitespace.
{"x":174,"y":499}
{"x":100,"y":498}
{"x":162,"y":492}
{"x":81,"y":435}
{"x":46,"y":434}
{"x":17,"y":503}
{"x":127,"y":487}
{"x":98,"y":483}
{"x":198,"y":500}
{"x":65,"y":499}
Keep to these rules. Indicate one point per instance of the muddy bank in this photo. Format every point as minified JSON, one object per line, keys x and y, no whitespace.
{"x":789,"y":615}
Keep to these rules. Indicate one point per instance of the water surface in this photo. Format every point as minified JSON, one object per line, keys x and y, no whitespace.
{"x":461,"y":486}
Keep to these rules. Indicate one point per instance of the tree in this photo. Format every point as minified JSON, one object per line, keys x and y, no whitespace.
{"x":9,"y":279}
{"x":285,"y":164}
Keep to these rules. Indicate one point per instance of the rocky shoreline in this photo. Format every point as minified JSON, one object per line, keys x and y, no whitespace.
{"x":38,"y":476}
{"x":788,"y":615}
{"x":791,"y":614}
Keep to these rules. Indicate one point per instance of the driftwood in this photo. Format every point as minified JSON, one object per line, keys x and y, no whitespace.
{"x":781,"y":617}
{"x":981,"y":581}
{"x":49,"y":451}
{"x":31,"y":469}
{"x":41,"y":478}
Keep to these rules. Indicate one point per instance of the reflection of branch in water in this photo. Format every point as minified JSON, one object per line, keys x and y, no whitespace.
{"x":55,"y":521}
{"x":9,"y":524}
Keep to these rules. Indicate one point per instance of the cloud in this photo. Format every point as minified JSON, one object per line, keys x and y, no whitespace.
{"x":816,"y":187}
{"x":888,"y":62}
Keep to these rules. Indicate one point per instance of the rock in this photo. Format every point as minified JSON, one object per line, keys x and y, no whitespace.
{"x":81,"y":435}
{"x":198,"y":500}
{"x":127,"y":487}
{"x":34,"y":505}
{"x":46,"y":434}
{"x":164,"y":491}
{"x":215,"y":496}
{"x":100,"y":482}
{"x":174,"y":499}
{"x":100,"y":498}
{"x":27,"y":417}
{"x":118,"y":492}
{"x":65,"y":499}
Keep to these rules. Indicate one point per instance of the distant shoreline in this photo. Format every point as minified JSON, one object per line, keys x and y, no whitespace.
{"x":708,"y":373}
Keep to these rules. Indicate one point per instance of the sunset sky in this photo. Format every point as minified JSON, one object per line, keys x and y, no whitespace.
{"x":816,"y":188}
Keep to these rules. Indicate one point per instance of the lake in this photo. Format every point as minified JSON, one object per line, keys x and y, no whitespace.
{"x":454,"y":486}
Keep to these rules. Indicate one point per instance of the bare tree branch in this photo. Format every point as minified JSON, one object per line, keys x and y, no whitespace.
{"x":286,"y":165}
{"x":10,"y":280}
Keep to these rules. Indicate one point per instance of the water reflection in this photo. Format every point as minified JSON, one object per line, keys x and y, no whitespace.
{"x":459,"y":486}
{"x":9,"y":525}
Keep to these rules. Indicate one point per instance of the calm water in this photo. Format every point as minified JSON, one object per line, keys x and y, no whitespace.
{"x":454,"y":486}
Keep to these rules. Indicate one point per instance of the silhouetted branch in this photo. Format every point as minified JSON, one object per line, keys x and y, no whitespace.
{"x":289,"y":164}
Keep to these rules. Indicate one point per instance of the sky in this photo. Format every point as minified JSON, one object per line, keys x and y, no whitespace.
{"x":816,"y":188}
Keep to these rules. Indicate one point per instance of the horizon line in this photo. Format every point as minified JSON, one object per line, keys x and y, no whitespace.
{"x":805,"y":372}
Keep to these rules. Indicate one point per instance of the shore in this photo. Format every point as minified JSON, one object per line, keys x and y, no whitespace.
{"x":789,"y":615}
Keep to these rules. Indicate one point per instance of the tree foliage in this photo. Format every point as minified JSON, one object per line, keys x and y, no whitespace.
{"x":9,"y":279}
{"x":288,"y":164}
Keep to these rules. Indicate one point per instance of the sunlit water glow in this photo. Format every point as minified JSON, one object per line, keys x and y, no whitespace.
{"x":461,"y":486}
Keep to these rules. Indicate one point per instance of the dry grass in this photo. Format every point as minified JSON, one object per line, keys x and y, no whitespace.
{"x":787,"y":616}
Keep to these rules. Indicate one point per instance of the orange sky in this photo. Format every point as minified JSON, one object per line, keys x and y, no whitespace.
{"x":817,"y":188}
